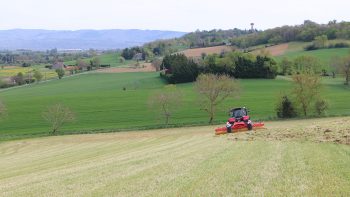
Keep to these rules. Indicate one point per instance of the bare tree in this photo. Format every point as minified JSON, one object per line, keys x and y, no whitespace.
{"x":156,"y":63}
{"x":166,"y":102}
{"x":213,"y":90}
{"x":57,"y":115}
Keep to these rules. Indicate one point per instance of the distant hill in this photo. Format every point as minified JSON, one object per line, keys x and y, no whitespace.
{"x":36,"y":39}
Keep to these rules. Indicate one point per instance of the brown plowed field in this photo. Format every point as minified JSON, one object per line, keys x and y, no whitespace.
{"x":274,"y":50}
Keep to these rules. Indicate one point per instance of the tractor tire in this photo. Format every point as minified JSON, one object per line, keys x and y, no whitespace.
{"x":250,"y":126}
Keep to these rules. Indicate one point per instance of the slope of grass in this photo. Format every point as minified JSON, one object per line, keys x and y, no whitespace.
{"x":177,"y":162}
{"x":324,"y":55}
{"x":101,"y":104}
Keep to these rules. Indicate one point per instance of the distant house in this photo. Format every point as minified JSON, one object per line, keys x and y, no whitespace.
{"x":58,"y":65}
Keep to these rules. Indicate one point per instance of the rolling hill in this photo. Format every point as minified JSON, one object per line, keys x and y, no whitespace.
{"x":37,"y":39}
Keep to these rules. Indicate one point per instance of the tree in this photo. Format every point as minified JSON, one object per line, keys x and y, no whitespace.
{"x":166,"y":102}
{"x":285,"y":108}
{"x":321,"y":41}
{"x":286,"y":66}
{"x":321,"y":106}
{"x":60,"y":72}
{"x":95,"y":62}
{"x":342,"y":65}
{"x":156,"y":63}
{"x":213,"y":90}
{"x":179,"y":69}
{"x":82,"y":65}
{"x":38,"y":75}
{"x":57,"y":115}
{"x":306,"y":89}
{"x":121,"y":59}
{"x":19,"y":78}
{"x":307,"y":64}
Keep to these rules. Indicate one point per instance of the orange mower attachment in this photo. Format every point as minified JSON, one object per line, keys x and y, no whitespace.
{"x":239,"y":127}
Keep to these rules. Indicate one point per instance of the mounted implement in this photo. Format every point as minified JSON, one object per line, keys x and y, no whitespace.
{"x":239,"y":121}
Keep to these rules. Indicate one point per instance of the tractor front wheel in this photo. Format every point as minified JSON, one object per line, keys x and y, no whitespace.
{"x":250,"y":126}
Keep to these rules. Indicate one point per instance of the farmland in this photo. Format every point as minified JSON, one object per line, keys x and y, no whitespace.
{"x":197,"y":52}
{"x":289,"y":158}
{"x":9,"y":71}
{"x":101,"y":104}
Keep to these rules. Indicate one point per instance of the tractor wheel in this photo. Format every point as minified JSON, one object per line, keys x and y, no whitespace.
{"x":250,"y":126}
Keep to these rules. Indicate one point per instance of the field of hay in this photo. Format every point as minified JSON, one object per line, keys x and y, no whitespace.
{"x":289,"y":158}
{"x":197,"y":52}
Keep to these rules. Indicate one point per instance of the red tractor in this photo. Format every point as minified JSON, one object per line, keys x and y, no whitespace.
{"x":239,"y":121}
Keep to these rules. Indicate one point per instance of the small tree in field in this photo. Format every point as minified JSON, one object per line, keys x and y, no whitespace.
{"x":213,"y":90}
{"x":60,"y":73}
{"x":307,"y":82}
{"x":166,"y":102}
{"x":306,"y":89}
{"x":285,"y":108}
{"x":57,"y":115}
{"x":38,"y":76}
{"x":321,"y":107}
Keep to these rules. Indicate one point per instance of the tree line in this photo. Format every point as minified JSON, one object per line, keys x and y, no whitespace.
{"x":178,"y":68}
{"x":305,"y":32}
{"x":27,"y":58}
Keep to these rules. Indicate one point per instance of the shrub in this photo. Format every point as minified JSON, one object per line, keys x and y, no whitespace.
{"x":321,"y":107}
{"x":339,"y":45}
{"x":311,"y":47}
{"x":60,"y":73}
{"x":285,"y":108}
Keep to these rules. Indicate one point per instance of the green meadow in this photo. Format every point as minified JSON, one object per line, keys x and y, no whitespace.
{"x":101,"y":104}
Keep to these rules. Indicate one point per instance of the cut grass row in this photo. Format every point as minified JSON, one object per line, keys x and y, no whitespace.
{"x":101,"y":104}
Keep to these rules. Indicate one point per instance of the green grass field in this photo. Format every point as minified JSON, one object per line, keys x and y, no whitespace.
{"x":289,"y":158}
{"x":101,"y":105}
{"x":324,"y":55}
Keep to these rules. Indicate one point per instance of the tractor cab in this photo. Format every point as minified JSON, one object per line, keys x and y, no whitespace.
{"x":239,"y":114}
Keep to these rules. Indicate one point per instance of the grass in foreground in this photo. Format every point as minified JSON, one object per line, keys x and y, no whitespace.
{"x":182,"y":162}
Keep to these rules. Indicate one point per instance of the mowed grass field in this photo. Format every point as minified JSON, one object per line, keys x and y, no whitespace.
{"x":324,"y":55}
{"x":101,"y":104}
{"x":289,"y":158}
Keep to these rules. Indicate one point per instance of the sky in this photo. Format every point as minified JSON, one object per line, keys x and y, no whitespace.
{"x":178,"y":15}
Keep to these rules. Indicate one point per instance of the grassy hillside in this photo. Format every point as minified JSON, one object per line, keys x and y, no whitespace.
{"x":101,"y":104}
{"x":324,"y":55}
{"x":287,"y":159}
